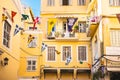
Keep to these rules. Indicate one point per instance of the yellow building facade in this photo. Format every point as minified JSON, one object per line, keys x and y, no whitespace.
{"x":63,"y":43}
{"x":10,"y":17}
{"x":104,"y":34}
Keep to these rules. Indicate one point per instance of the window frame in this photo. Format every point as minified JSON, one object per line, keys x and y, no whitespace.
{"x":69,"y":3}
{"x":31,"y":59}
{"x":54,"y":54}
{"x":84,"y":27}
{"x":114,"y":3}
{"x":35,"y":41}
{"x":81,"y":3}
{"x":7,"y":22}
{"x":62,"y":52}
{"x":50,"y":2}
{"x":86,"y":53}
{"x":116,"y":42}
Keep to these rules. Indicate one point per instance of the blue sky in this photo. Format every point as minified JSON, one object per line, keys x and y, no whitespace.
{"x":34,"y":4}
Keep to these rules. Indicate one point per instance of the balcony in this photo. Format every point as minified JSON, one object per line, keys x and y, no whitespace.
{"x":115,"y":51}
{"x":92,"y":25}
{"x":66,"y":36}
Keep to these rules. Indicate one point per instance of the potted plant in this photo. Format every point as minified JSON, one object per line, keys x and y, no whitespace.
{"x":76,"y":27}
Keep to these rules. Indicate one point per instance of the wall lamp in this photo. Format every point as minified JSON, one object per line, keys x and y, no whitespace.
{"x":4,"y":62}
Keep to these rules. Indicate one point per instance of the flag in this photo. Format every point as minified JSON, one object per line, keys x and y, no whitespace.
{"x":4,"y":17}
{"x":36,"y":20}
{"x":57,"y":51}
{"x":30,"y":38}
{"x":70,"y":23}
{"x":118,"y":16}
{"x":16,"y":30}
{"x":51,"y":25}
{"x":68,"y":59}
{"x":44,"y":46}
{"x":24,"y":17}
{"x":13,"y":14}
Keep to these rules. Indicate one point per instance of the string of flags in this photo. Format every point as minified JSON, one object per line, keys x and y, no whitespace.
{"x":24,"y":17}
{"x":31,"y":41}
{"x":17,"y":29}
{"x":68,"y":60}
{"x":36,"y":20}
{"x":4,"y":17}
{"x":44,"y":46}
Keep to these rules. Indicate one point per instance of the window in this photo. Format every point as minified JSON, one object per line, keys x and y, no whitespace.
{"x":31,"y":64}
{"x":114,"y":2}
{"x":6,"y":36}
{"x":82,"y":53}
{"x":50,"y":2}
{"x":51,"y":53}
{"x":66,"y":2}
{"x":33,"y":42}
{"x":115,"y":37}
{"x":82,"y":27}
{"x":66,"y":52}
{"x":81,"y":2}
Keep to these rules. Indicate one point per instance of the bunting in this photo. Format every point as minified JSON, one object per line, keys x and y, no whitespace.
{"x":68,"y":59}
{"x":51,"y":25}
{"x":70,"y":23}
{"x":118,"y":16}
{"x":24,"y":17}
{"x":30,"y":38}
{"x":4,"y":17}
{"x":12,"y":15}
{"x":17,"y":29}
{"x":44,"y":46}
{"x":57,"y":52}
{"x":36,"y":20}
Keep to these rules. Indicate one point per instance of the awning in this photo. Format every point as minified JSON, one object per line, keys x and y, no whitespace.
{"x":113,"y":58}
{"x":113,"y":69}
{"x":66,"y":16}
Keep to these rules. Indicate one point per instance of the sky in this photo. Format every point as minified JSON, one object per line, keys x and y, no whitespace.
{"x":34,"y":4}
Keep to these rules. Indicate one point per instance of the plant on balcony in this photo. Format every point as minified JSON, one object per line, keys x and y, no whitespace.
{"x":57,"y":34}
{"x":76,"y":27}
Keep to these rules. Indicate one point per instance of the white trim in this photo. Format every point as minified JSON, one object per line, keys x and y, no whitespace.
{"x":62,"y":53}
{"x":10,"y":45}
{"x":86,"y":53}
{"x":47,"y":54}
{"x":33,"y":32}
{"x":31,"y":58}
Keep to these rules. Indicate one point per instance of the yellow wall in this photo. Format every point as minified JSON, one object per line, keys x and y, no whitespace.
{"x":10,"y":71}
{"x":73,"y":8}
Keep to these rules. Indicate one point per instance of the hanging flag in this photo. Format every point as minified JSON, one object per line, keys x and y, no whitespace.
{"x":68,"y":59}
{"x":24,"y":17}
{"x":17,"y":29}
{"x":57,"y":51}
{"x":35,"y":21}
{"x":70,"y":23}
{"x":12,"y":15}
{"x":44,"y":46}
{"x":4,"y":17}
{"x":118,"y":16}
{"x":51,"y":25}
{"x":30,"y":38}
